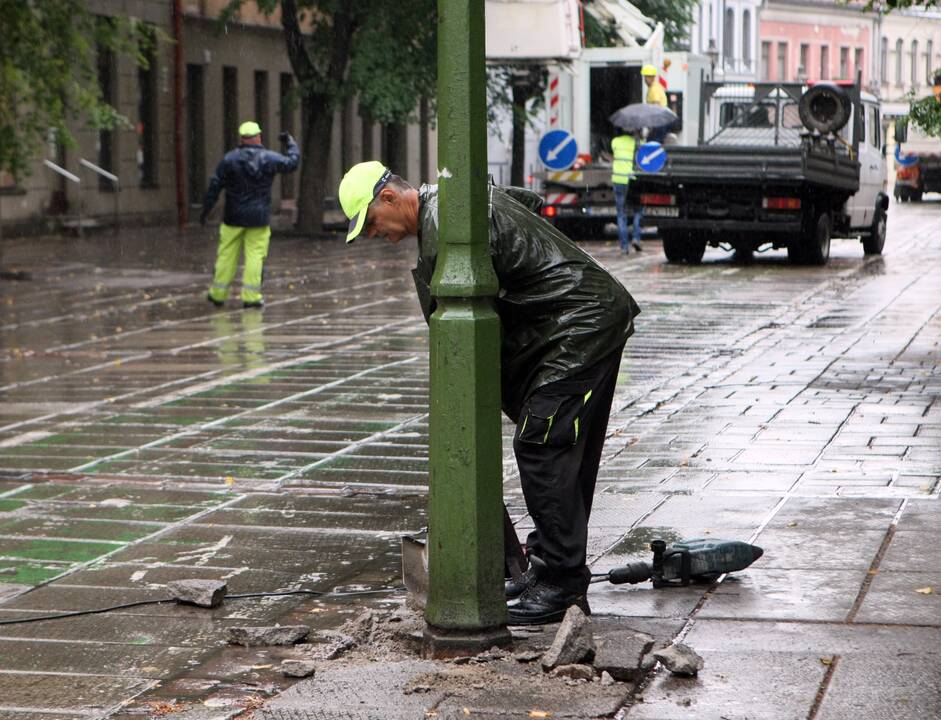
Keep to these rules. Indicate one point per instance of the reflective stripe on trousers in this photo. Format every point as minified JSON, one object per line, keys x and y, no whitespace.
{"x":232,"y":240}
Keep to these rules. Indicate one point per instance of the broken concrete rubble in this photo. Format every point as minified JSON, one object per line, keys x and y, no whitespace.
{"x":274,"y":635}
{"x":622,"y":655}
{"x":680,"y":659}
{"x":573,"y":642}
{"x":575,"y":672}
{"x":204,"y":593}
{"x":298,"y":668}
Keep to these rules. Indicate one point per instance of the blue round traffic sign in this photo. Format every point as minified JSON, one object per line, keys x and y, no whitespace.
{"x":651,"y":156}
{"x":558,"y":149}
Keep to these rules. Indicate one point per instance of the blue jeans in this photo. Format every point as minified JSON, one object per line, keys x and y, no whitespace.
{"x":620,"y":201}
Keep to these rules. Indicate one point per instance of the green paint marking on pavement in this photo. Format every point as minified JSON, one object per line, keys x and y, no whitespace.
{"x":11,"y":505}
{"x":56,"y":550}
{"x":20,"y":573}
{"x":45,"y":491}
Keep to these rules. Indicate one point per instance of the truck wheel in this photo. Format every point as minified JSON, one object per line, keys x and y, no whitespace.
{"x":873,"y":244}
{"x":795,"y":252}
{"x":674,"y":247}
{"x":817,"y":242}
{"x":695,"y":249}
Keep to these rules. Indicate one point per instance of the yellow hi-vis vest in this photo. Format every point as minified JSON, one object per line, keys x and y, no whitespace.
{"x":623,"y":166}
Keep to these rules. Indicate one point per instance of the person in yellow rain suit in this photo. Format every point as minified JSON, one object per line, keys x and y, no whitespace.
{"x":246,"y":174}
{"x":656,"y":95}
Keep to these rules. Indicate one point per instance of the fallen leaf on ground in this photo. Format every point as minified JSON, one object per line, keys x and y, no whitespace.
{"x":925,"y":590}
{"x":538,"y":714}
{"x":826,"y":661}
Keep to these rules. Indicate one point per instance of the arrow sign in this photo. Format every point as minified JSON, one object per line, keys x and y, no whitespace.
{"x":651,"y":157}
{"x":558,"y":149}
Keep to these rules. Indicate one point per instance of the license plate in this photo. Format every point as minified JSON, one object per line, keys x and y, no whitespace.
{"x":602,"y":210}
{"x":654,"y":211}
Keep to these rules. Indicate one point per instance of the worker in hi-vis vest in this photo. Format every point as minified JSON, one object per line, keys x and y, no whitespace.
{"x":622,"y":169}
{"x":246,"y":174}
{"x":656,"y":95}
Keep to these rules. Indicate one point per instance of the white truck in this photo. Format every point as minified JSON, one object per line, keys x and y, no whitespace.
{"x":580,"y":200}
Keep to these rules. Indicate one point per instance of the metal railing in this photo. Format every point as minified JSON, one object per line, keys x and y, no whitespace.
{"x":71,"y":177}
{"x":113,"y":179}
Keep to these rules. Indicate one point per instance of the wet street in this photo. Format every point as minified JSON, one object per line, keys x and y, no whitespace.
{"x":146,"y":436}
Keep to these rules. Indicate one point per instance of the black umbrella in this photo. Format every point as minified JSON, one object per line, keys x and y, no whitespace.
{"x":656,"y":118}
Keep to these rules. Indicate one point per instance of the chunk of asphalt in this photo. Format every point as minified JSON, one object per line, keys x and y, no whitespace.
{"x":298,"y":668}
{"x":575,"y":672}
{"x":274,"y":635}
{"x":622,"y":655}
{"x":680,"y":659}
{"x":573,"y":643}
{"x":204,"y":593}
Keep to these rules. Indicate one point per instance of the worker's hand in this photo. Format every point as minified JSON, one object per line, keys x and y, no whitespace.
{"x":284,"y":136}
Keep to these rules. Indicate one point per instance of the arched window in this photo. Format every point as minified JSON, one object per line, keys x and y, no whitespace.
{"x":728,"y":36}
{"x":884,"y":61}
{"x":914,"y":63}
{"x":898,"y":61}
{"x":929,"y":60}
{"x":746,"y":39}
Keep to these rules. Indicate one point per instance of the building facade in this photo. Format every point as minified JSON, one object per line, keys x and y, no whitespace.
{"x":909,"y":55}
{"x":230,"y":73}
{"x":809,"y":41}
{"x":727,"y":31}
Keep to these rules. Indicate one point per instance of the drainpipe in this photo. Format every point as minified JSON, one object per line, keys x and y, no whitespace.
{"x":178,"y":114}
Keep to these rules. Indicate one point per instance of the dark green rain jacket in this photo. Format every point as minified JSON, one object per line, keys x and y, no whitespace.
{"x":560,"y":311}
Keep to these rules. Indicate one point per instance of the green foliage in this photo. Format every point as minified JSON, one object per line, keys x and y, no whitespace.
{"x":517,"y":88}
{"x":48,"y":76}
{"x":676,"y":16}
{"x":926,"y":114}
{"x":383,"y":52}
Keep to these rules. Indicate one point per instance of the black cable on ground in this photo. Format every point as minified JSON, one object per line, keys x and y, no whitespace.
{"x":241,"y":596}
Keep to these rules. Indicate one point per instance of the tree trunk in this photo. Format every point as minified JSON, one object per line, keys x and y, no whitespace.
{"x":317,"y":138}
{"x":517,"y":168}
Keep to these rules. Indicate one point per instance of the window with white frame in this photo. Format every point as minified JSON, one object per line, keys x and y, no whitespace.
{"x":884,"y":61}
{"x":929,"y":59}
{"x":728,"y":37}
{"x":898,"y":61}
{"x":803,"y":69}
{"x":746,"y":39}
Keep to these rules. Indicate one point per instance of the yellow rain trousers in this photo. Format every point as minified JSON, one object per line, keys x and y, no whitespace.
{"x":231,"y":240}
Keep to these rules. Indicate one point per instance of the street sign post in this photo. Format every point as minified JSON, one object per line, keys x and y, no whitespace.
{"x":558,"y":149}
{"x":651,"y":157}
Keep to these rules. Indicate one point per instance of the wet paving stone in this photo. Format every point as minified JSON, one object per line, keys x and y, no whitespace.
{"x":160,"y":439}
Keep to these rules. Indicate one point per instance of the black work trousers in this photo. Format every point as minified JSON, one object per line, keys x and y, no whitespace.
{"x":559,"y":438}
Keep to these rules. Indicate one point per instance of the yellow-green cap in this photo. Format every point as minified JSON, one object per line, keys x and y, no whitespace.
{"x":357,"y":189}
{"x":648,"y":71}
{"x":249,"y":128}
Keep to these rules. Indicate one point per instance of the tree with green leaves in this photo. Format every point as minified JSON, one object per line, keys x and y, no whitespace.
{"x":516,"y":88}
{"x":382,"y":52}
{"x":926,"y":112}
{"x":48,"y":75}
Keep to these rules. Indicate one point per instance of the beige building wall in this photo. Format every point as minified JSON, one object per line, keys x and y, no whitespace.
{"x":903,"y":32}
{"x":252,"y":44}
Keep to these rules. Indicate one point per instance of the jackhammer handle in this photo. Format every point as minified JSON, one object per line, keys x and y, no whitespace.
{"x":636,"y":572}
